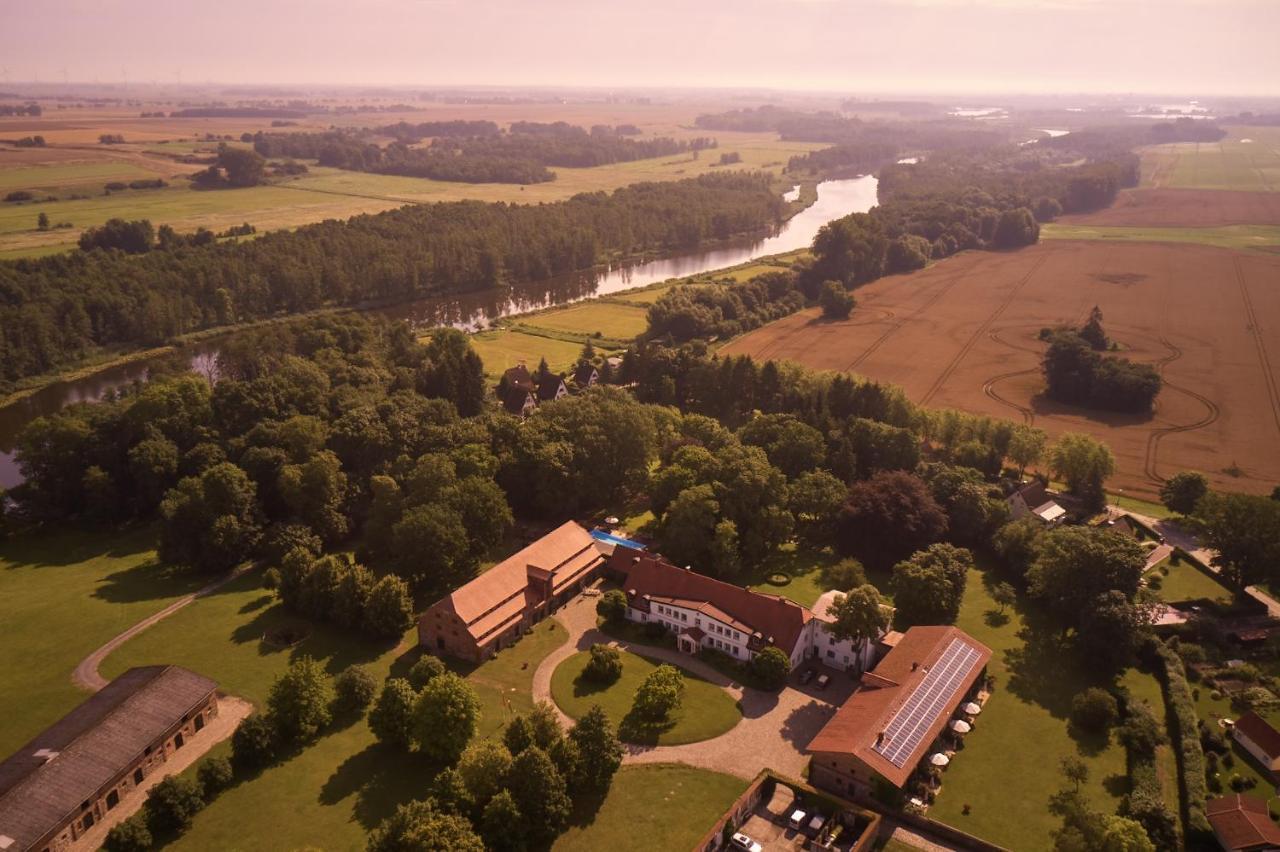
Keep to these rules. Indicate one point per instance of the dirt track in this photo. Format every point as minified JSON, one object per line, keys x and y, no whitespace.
{"x":1184,"y":208}
{"x":963,"y":334}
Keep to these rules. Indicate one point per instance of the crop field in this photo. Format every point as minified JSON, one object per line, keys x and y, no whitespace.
{"x":1258,"y":237}
{"x":963,"y":334}
{"x":1248,"y":158}
{"x":75,"y":164}
{"x":1183,"y":208}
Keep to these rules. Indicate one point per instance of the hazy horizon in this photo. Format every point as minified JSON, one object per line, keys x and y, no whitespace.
{"x":1135,"y":47}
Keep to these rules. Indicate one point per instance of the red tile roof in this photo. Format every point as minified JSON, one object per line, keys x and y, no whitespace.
{"x":500,"y":596}
{"x":856,"y":726}
{"x":776,"y":619}
{"x":1242,"y":822}
{"x":1260,"y":731}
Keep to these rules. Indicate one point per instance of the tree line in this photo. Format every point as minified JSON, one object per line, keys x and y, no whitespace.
{"x":473,"y":152}
{"x":55,"y":310}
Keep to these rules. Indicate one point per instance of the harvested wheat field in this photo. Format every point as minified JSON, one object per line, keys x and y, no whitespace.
{"x":1184,"y":208}
{"x":963,"y":334}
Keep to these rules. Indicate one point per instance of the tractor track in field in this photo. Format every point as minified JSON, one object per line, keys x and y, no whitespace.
{"x":1213,"y":412}
{"x":982,"y":330}
{"x":1268,"y":373}
{"x":898,"y":324}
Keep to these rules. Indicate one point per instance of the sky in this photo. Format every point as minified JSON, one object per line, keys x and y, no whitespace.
{"x":874,"y":46}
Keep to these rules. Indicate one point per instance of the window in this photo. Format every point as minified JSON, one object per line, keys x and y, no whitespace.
{"x":735,"y":635}
{"x":113,"y":799}
{"x":178,"y":742}
{"x":84,"y":806}
{"x":831,"y":640}
{"x":200,"y":722}
{"x":831,"y":654}
{"x":88,"y":821}
{"x":735,"y":652}
{"x":684,"y":616}
{"x":147,"y":750}
{"x":137,"y":776}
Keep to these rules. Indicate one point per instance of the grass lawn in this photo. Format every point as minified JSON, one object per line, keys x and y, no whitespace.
{"x":803,"y":566}
{"x":61,"y":596}
{"x":338,"y":788}
{"x":503,"y":348}
{"x":1229,"y":164}
{"x":52,"y":178}
{"x":588,"y":318}
{"x":707,"y":710}
{"x":1185,"y":582}
{"x":664,"y":806}
{"x":1227,"y":236}
{"x":1009,"y":766}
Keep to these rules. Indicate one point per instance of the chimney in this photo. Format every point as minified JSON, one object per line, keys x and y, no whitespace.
{"x":880,"y":738}
{"x":915,"y":666}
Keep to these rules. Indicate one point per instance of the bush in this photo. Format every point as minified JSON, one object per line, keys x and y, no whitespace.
{"x":425,"y":670}
{"x":1094,"y":710}
{"x":172,"y":804}
{"x":253,"y":745}
{"x":612,"y":606}
{"x":844,"y":575}
{"x":605,"y":665}
{"x":355,"y":689}
{"x":214,"y":775}
{"x":836,"y":300}
{"x":772,"y":667}
{"x":132,"y":835}
{"x":1185,"y":728}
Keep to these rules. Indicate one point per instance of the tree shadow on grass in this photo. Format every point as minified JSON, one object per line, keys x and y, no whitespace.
{"x":1044,"y":670}
{"x":381,"y":778}
{"x":995,"y":618}
{"x":149,"y":581}
{"x":585,"y":809}
{"x":584,"y":686}
{"x":334,"y":647}
{"x":1116,"y":785}
{"x":636,"y":730}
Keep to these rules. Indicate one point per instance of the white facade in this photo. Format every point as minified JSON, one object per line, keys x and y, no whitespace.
{"x":814,"y":642}
{"x":1270,"y":761}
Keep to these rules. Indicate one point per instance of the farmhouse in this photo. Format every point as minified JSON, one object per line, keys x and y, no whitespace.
{"x":518,"y":400}
{"x":1257,"y":736}
{"x":552,"y":388}
{"x":585,"y":376}
{"x":493,"y":610}
{"x":56,"y":787}
{"x":705,"y":612}
{"x":1241,"y":824}
{"x":1032,"y":499}
{"x":890,"y":722}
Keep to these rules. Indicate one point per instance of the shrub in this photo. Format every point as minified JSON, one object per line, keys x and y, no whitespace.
{"x":660,"y":693}
{"x":132,"y":835}
{"x":1185,"y":729}
{"x":1094,"y":710}
{"x":605,"y":665}
{"x":214,"y":775}
{"x":844,"y":575}
{"x":425,"y":670}
{"x":354,"y":689}
{"x":253,"y":745}
{"x":612,"y":606}
{"x":172,"y":804}
{"x":772,"y":667}
{"x":1141,"y":732}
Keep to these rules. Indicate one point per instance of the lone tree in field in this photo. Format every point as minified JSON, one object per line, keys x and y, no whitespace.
{"x":660,"y":693}
{"x":836,"y":301}
{"x":445,"y":717}
{"x":299,"y":701}
{"x":1182,"y":491}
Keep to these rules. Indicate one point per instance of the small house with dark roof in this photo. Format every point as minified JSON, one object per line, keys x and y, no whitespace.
{"x":1033,"y":500}
{"x":889,"y":724}
{"x":1260,"y":738}
{"x":518,"y":376}
{"x":585,"y":376}
{"x":1241,"y":824}
{"x":55,"y":788}
{"x":704,"y":612}
{"x":518,"y":400}
{"x":552,"y":388}
{"x":492,"y":611}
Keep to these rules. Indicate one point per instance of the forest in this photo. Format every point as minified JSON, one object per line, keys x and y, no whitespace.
{"x":57,"y":309}
{"x":473,"y":151}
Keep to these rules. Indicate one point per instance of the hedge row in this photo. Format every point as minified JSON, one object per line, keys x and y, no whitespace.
{"x":1184,"y":727}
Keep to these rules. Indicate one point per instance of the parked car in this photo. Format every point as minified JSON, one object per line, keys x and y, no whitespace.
{"x":741,"y":841}
{"x":816,"y":824}
{"x":797,"y":819}
{"x":806,"y":676}
{"x":823,"y":681}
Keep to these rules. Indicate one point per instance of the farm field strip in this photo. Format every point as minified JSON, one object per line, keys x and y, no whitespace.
{"x":1253,"y":237}
{"x":964,"y":333}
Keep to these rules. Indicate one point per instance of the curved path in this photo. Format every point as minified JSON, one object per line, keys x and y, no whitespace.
{"x":86,"y":673}
{"x":773,"y":732}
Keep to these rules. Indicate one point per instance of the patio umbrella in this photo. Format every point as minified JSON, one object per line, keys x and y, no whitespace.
{"x":960,"y":726}
{"x":939,"y":759}
{"x":973,"y":708}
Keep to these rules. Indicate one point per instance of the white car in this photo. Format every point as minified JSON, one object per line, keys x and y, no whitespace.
{"x":741,"y":841}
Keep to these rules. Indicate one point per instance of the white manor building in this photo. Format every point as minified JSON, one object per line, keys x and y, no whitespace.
{"x":705,"y":612}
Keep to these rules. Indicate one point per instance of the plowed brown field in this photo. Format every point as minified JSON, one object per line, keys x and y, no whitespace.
{"x":1184,"y":208}
{"x":963,"y":334}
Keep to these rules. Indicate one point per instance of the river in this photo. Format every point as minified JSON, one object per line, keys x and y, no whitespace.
{"x":473,"y":311}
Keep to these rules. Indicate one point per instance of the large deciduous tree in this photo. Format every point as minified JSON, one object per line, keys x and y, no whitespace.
{"x":210,"y":522}
{"x":1084,"y":463}
{"x":887,"y":517}
{"x":445,"y":717}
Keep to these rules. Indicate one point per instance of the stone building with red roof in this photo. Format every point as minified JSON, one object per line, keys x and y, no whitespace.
{"x":1241,"y":824}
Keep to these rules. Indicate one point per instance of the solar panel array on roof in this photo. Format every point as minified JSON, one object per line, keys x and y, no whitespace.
{"x":931,"y":695}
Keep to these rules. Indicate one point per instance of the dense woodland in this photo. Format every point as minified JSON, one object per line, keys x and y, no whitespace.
{"x":56,"y":309}
{"x":474,"y":152}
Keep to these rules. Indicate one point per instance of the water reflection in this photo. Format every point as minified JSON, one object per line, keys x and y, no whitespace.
{"x":474,"y":311}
